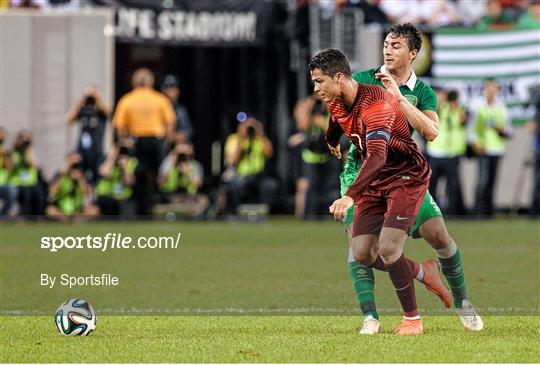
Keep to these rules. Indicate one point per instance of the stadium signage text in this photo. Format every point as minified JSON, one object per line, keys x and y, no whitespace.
{"x":187,"y":27}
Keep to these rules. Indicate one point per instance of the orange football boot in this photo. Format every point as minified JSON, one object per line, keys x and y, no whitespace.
{"x":410,"y":327}
{"x":433,"y":282}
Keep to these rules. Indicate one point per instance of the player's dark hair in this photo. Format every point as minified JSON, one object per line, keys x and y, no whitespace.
{"x":330,"y":62}
{"x":409,"y":32}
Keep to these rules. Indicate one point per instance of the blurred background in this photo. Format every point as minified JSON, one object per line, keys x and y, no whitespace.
{"x":199,"y":109}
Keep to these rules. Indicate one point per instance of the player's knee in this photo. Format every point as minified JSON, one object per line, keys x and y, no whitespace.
{"x":361,"y":254}
{"x":437,"y":236}
{"x":389,"y":251}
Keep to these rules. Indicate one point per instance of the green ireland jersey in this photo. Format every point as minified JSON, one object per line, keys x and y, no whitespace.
{"x":422,"y":96}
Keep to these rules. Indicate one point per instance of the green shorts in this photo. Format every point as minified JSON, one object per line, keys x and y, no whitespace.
{"x":429,"y":209}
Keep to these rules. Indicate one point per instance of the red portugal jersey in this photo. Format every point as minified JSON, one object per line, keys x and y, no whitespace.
{"x":380,"y":130}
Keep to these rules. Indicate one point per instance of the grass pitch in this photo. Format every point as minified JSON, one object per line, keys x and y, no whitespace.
{"x":305,"y":339}
{"x":286,"y":280}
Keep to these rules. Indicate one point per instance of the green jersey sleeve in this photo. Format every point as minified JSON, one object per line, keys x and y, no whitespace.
{"x":427,"y":99}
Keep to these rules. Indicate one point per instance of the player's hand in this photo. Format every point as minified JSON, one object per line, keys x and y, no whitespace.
{"x":339,"y":207}
{"x":389,"y":83}
{"x":335,"y":151}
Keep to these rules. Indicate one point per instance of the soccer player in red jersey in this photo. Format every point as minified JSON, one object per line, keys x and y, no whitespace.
{"x":391,"y":184}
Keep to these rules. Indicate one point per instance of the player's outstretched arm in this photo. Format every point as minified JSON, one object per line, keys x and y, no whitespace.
{"x":425,"y":122}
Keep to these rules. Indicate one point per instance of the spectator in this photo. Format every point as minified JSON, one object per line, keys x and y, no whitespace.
{"x":115,"y":187}
{"x":488,"y":133}
{"x":444,"y":154}
{"x":180,"y":179}
{"x":147,"y":116}
{"x":25,"y":176}
{"x":312,"y":121}
{"x":531,"y":18}
{"x":91,"y":113}
{"x":372,"y":11}
{"x":495,"y":17}
{"x":246,"y":153}
{"x":69,"y":193}
{"x":471,"y":11}
{"x":8,"y":192}
{"x":439,"y":13}
{"x":171,"y":88}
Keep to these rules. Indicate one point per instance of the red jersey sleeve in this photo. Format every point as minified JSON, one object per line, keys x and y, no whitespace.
{"x":378,"y":120}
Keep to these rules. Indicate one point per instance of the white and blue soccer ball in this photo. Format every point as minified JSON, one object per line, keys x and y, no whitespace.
{"x":75,"y":317}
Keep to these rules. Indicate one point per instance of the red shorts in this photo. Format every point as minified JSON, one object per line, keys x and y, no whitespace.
{"x":395,"y":208}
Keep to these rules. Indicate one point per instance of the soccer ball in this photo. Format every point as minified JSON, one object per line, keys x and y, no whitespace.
{"x":75,"y":317}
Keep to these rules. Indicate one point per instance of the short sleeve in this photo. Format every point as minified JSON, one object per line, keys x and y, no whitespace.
{"x":120,"y":118}
{"x":427,"y":100}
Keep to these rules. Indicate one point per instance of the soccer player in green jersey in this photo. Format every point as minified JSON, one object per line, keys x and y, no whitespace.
{"x":419,"y":103}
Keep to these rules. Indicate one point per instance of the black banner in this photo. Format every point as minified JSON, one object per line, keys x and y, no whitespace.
{"x":193,"y":22}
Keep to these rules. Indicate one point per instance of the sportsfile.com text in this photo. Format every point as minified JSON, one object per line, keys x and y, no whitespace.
{"x":108,"y":241}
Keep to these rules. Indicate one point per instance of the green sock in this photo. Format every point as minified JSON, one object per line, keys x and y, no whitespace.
{"x":452,"y":269}
{"x":364,"y":286}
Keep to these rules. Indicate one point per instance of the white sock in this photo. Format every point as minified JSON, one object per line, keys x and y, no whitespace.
{"x":411,"y":318}
{"x":447,"y":252}
{"x":420,"y":275}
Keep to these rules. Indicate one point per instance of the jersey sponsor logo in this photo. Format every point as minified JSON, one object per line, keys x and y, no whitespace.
{"x":412,"y":99}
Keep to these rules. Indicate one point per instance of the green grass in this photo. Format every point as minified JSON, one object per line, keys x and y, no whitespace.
{"x":269,"y":271}
{"x":268,"y":339}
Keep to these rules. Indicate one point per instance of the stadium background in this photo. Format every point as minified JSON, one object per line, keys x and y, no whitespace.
{"x":257,"y":64}
{"x":278,"y":290}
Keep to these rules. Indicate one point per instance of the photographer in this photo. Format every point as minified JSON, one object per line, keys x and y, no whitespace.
{"x":115,"y":187}
{"x":317,"y":165}
{"x":171,"y":88}
{"x":246,"y":153}
{"x":69,"y":192}
{"x":25,"y":176}
{"x":91,"y":113}
{"x":488,"y":133}
{"x":180,"y":178}
{"x":8,"y":192}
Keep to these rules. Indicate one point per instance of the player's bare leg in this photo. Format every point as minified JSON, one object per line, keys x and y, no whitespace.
{"x":435,"y":233}
{"x":391,"y":241}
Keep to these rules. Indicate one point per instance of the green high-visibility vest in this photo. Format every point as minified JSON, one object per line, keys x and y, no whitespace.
{"x":176,"y":180}
{"x":4,"y":173}
{"x":22,"y":174}
{"x":113,"y":185}
{"x":484,"y":133}
{"x":252,"y":157}
{"x":452,"y":138}
{"x":69,"y":196}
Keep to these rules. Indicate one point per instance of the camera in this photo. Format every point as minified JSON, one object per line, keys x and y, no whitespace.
{"x":23,"y":145}
{"x":76,"y":166}
{"x":250,"y":132}
{"x":182,"y":157}
{"x":123,"y":151}
{"x":90,"y":101}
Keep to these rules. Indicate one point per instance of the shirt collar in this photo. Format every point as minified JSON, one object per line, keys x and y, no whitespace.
{"x":411,"y":82}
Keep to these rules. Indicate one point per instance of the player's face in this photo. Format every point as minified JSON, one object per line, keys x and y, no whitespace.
{"x":326,"y":87}
{"x":396,"y":53}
